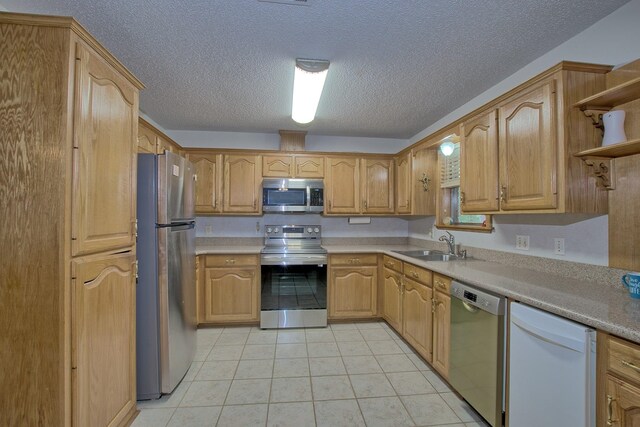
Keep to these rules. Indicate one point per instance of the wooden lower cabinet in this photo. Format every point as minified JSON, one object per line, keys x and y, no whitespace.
{"x":618,"y":382}
{"x":353,"y":292}
{"x":392,"y":295}
{"x":104,"y":340}
{"x":230,"y":293}
{"x":416,"y":317}
{"x":441,"y":332}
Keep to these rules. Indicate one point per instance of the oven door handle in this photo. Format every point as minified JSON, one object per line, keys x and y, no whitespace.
{"x":297,"y":260}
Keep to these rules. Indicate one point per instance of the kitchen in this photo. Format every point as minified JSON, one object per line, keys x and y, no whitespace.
{"x":585,"y":236}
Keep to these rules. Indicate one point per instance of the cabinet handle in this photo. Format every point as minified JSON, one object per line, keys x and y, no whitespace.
{"x":255,"y":202}
{"x":365,"y":204}
{"x":215,"y":202}
{"x":230,"y":261}
{"x":462,"y":197}
{"x":414,"y":274}
{"x":503,"y":192}
{"x":630,"y":365}
{"x":389,"y":265}
{"x":440,"y":284}
{"x":329,"y":204}
{"x":609,"y":409}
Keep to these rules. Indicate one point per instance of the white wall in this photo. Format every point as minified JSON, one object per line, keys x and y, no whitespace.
{"x":331,"y":226}
{"x":3,"y":8}
{"x":614,"y":40}
{"x":586,"y":237}
{"x":271,"y":141}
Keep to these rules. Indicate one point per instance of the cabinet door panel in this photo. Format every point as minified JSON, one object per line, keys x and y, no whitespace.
{"x":277,"y":166}
{"x":309,"y":167}
{"x":403,"y":187}
{"x":392,"y":297}
{"x":103,"y":340}
{"x":377,"y":186}
{"x":147,"y":139}
{"x":230,"y":294}
{"x":441,"y":332}
{"x":625,"y":403}
{"x":104,"y":175}
{"x":242,"y":182}
{"x":208,"y":168}
{"x":353,"y":292}
{"x":343,"y":186}
{"x":416,"y":317}
{"x":424,"y":180}
{"x":528,"y":150}
{"x":479,"y":164}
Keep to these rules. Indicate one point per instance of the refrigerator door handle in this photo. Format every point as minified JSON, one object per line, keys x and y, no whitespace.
{"x":548,"y":336}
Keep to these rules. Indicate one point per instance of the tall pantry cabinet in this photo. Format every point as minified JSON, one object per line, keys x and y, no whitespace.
{"x":69,"y":117}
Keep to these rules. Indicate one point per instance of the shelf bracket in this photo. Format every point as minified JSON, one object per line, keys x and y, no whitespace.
{"x":595,"y":114}
{"x":604,"y":171}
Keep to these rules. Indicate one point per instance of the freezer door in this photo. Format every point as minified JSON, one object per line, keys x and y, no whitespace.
{"x":177,"y":302}
{"x":176,"y":189}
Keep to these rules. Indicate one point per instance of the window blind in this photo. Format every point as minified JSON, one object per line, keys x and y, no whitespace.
{"x":450,"y":168}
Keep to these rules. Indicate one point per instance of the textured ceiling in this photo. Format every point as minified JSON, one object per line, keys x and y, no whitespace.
{"x":396,"y":66}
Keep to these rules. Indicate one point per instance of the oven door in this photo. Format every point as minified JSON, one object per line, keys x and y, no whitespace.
{"x":293,"y":295}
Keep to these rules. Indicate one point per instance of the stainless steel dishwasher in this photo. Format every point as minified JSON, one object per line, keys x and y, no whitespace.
{"x":477,"y":350}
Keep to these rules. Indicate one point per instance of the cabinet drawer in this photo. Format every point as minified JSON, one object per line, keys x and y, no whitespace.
{"x":418,"y":274}
{"x":441,"y":283}
{"x":624,"y":359}
{"x":354,"y":259}
{"x":231,"y":260}
{"x":392,"y":263}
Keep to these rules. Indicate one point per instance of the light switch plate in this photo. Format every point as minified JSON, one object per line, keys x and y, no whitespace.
{"x":558,"y":246}
{"x":522,"y":242}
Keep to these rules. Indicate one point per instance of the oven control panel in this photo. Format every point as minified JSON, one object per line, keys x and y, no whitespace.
{"x":292,"y":231}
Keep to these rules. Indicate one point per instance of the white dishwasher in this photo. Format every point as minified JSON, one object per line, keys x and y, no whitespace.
{"x":551,"y":370}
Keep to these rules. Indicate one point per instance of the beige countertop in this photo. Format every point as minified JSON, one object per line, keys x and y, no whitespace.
{"x":598,"y":305}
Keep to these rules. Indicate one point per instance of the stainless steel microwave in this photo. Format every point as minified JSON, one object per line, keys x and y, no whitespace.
{"x":292,"y":195}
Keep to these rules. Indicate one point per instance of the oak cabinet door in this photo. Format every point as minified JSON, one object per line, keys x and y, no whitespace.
{"x":353,"y":292}
{"x":104,"y":156}
{"x":479,"y":164}
{"x":528,"y":150}
{"x":623,"y":403}
{"x":309,"y":167}
{"x":242,"y":183}
{"x":231,"y":294}
{"x":377,"y":186}
{"x":277,"y":166}
{"x":103,"y":340}
{"x":416,"y":317}
{"x":208,"y":169}
{"x":342,"y":192}
{"x":403,"y":186}
{"x":392,"y":297}
{"x":441,"y":332}
{"x":423,"y":179}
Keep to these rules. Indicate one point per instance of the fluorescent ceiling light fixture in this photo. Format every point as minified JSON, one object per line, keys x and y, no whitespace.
{"x":308,"y":82}
{"x":447,"y":146}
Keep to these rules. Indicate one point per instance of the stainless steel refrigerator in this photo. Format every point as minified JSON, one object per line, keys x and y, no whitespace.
{"x":165,"y":297}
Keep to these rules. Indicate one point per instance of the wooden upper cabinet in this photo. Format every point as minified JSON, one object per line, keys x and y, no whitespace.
{"x":479,"y":163}
{"x":103,"y":340}
{"x":147,"y":139}
{"x":377,"y":186}
{"x":528,"y":149}
{"x":403,"y":184}
{"x":342,"y":185}
{"x":277,"y":166}
{"x":166,"y":145}
{"x":423,"y":179}
{"x":208,"y":169}
{"x":309,"y":167}
{"x":242,"y":183}
{"x":104,"y":161}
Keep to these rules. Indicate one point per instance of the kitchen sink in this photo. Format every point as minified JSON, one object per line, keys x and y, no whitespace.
{"x":430,"y":255}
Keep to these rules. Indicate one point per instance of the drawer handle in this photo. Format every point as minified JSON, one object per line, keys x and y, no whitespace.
{"x":630,"y":365}
{"x":414,"y":274}
{"x":441,"y":284}
{"x":389,"y":265}
{"x":230,"y":261}
{"x":609,"y":409}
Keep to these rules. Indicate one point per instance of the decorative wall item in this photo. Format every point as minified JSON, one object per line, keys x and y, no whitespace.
{"x":613,"y":127}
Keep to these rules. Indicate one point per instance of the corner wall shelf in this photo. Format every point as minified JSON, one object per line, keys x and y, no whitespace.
{"x":601,"y":160}
{"x":607,"y":99}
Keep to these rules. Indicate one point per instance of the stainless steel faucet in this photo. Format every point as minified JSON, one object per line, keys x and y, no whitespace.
{"x":451,"y":242}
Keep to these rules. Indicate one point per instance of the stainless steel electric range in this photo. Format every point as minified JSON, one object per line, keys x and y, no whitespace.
{"x":294,"y":277}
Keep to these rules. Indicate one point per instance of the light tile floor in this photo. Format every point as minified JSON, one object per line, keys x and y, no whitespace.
{"x":354,"y":374}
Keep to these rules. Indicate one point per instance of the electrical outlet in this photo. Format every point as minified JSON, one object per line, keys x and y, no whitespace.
{"x":522,"y":242}
{"x":558,"y":246}
{"x":208,"y":230}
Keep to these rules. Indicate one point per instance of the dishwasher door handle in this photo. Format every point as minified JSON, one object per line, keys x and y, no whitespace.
{"x":469,"y":307}
{"x":548,"y":336}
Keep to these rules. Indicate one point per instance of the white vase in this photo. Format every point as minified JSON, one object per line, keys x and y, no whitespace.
{"x":613,"y":127}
